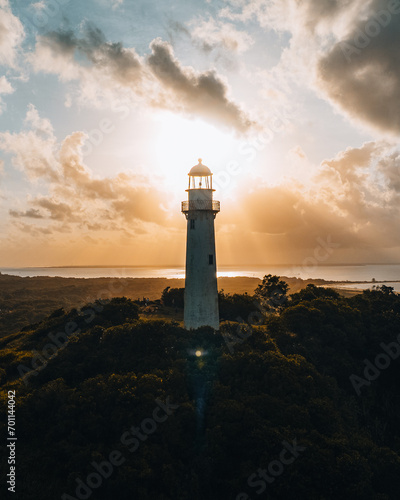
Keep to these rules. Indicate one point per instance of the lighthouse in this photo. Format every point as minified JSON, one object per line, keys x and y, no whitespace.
{"x":201,"y":292}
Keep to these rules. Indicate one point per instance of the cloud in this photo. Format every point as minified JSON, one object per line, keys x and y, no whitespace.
{"x":358,"y":184}
{"x":361,"y":73}
{"x":39,"y":5}
{"x":354,"y":201}
{"x":32,"y":151}
{"x":117,"y":3}
{"x":32,"y":230}
{"x":41,"y":126}
{"x":347,"y":163}
{"x":214,"y":34}
{"x":311,"y":16}
{"x":389,"y":166}
{"x":5,"y":86}
{"x":344,"y":49}
{"x":319,"y":17}
{"x":109,"y":72}
{"x":349,"y":182}
{"x":32,"y":213}
{"x":57,"y":210}
{"x":220,"y":40}
{"x":11,"y":35}
{"x":112,"y":63}
{"x":293,"y":216}
{"x":202,"y":94}
{"x":76,"y":199}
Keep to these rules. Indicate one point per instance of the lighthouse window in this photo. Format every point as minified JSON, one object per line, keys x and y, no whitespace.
{"x":211,"y":259}
{"x":191,"y":223}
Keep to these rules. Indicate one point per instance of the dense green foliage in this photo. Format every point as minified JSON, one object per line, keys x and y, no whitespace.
{"x":287,"y":379}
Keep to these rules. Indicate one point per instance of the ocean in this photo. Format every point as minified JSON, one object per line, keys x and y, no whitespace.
{"x":352,"y":273}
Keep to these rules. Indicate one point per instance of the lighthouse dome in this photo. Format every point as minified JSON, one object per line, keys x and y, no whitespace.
{"x":200,"y":170}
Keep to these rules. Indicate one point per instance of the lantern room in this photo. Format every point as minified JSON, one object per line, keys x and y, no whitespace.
{"x":200,"y":177}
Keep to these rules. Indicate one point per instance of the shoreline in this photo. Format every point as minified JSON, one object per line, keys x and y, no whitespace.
{"x":153,"y":286}
{"x":27,"y":300}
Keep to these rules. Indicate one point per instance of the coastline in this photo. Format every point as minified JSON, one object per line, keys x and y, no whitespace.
{"x":27,"y":300}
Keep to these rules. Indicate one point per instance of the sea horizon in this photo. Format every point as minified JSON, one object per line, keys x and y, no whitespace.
{"x":168,"y":266}
{"x":364,"y":274}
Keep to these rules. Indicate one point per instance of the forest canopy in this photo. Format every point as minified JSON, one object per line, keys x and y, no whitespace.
{"x":229,"y":403}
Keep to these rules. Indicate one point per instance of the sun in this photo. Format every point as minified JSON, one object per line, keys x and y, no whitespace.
{"x":179,"y":142}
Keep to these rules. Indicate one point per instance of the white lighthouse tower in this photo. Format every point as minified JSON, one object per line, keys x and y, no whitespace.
{"x":201,"y":292}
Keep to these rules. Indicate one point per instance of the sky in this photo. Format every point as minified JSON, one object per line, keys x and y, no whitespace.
{"x":106,"y":105}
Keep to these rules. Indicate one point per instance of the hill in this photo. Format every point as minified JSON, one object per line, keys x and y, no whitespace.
{"x":120,"y":406}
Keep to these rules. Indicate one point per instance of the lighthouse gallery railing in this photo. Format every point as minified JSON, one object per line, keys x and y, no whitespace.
{"x":212,"y":205}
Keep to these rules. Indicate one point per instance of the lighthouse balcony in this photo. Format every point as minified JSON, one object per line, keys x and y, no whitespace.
{"x":211,"y":205}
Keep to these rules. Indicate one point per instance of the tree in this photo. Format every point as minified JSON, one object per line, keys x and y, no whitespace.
{"x":386,"y":290}
{"x":118,"y":310}
{"x":173,"y":297}
{"x":272,"y":291}
{"x":312,"y":292}
{"x":236,"y":307}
